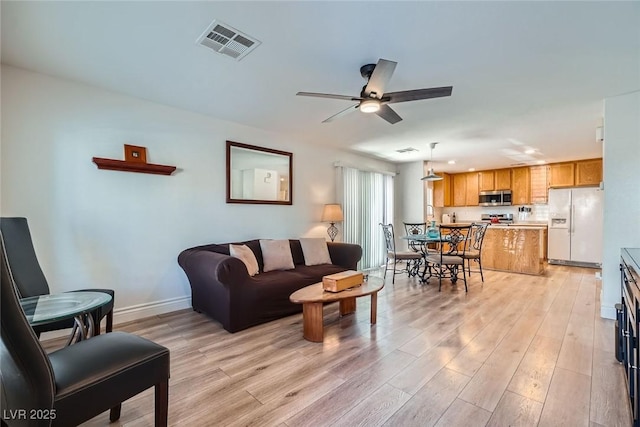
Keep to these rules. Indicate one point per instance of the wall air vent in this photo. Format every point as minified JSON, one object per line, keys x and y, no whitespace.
{"x":226,"y":40}
{"x":406,"y":150}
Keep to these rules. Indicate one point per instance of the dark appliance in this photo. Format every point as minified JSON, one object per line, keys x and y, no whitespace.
{"x":495,"y":198}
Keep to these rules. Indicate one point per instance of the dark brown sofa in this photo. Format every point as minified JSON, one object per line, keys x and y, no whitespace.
{"x":222,"y":288}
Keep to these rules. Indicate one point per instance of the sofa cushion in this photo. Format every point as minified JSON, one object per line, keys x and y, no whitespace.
{"x":276,"y":255}
{"x":246,"y":255}
{"x":315,"y":251}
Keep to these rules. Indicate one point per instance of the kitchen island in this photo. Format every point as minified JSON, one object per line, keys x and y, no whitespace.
{"x":515,"y":248}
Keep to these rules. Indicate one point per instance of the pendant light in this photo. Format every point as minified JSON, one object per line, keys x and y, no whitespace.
{"x":431,"y":175}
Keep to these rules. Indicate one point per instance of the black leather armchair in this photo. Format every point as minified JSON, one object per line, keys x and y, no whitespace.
{"x":75,"y":383}
{"x":29,"y":278}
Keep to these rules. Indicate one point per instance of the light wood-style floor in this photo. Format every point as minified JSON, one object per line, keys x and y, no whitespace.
{"x":520,"y":350}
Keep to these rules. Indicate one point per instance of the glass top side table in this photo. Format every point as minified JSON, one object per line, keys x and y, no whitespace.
{"x":44,"y":309}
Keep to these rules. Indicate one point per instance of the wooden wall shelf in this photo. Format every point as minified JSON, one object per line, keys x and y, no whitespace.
{"x":122,"y":165}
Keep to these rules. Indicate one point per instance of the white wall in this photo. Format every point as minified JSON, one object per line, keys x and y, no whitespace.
{"x":409,"y":198}
{"x":122,"y":230}
{"x":621,"y":191}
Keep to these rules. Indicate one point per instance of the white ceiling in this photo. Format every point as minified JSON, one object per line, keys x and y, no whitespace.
{"x":524,"y":74}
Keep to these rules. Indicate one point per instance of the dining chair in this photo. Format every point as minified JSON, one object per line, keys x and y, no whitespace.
{"x":74,"y":384}
{"x":415,"y":228}
{"x":474,"y":252}
{"x":411,"y":258}
{"x":29,"y":278}
{"x":449,"y":260}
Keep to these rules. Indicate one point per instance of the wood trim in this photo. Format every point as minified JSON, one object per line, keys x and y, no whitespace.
{"x":124,"y":166}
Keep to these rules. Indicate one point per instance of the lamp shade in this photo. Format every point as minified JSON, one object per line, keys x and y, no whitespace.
{"x":332,"y":213}
{"x":431,"y":176}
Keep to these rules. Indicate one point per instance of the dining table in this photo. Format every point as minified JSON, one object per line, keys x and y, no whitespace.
{"x":423,"y":241}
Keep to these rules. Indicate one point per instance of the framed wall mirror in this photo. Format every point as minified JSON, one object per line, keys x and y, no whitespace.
{"x":258,"y":175}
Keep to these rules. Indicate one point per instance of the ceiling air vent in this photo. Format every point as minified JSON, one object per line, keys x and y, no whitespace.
{"x":406,"y":150}
{"x":227,"y":40}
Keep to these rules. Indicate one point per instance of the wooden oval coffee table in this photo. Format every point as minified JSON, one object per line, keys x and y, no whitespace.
{"x":314,"y":296}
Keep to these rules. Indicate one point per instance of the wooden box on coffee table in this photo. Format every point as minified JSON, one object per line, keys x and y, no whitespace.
{"x":340,"y":281}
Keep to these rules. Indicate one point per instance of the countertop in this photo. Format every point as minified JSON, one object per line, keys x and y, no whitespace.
{"x":526,"y":226}
{"x":532,"y":225}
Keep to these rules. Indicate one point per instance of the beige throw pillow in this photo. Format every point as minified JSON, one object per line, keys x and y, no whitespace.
{"x":276,"y":255}
{"x":315,"y":251}
{"x":246,"y":255}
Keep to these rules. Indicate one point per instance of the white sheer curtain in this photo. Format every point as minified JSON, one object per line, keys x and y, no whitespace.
{"x":367,"y":200}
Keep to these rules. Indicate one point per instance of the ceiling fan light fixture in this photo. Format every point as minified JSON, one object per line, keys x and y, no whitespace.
{"x":370,"y":106}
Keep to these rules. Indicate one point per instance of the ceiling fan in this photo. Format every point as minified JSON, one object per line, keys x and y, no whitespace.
{"x":373,"y":98}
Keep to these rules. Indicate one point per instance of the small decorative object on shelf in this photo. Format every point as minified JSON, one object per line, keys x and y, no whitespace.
{"x":135,"y":160}
{"x":133,"y":153}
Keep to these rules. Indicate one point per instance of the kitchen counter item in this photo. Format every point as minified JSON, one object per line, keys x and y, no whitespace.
{"x":497,"y":218}
{"x":446,"y":218}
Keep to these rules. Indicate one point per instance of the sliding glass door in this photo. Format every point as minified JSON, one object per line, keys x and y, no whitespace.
{"x":367,"y":201}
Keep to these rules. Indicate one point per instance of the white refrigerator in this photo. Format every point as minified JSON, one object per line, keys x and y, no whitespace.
{"x":575,"y":226}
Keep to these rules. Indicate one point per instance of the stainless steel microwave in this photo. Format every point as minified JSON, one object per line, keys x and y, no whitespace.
{"x":495,"y":198}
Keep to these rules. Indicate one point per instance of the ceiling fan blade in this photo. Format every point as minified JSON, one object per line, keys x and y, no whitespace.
{"x":342,"y":113}
{"x":328,"y":95}
{"x":388,"y":114}
{"x":417,"y":94}
{"x":380,"y":77}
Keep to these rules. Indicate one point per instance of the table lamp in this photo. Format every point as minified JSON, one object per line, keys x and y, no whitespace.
{"x":332,"y":213}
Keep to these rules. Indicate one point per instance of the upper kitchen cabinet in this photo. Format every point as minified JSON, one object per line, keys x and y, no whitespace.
{"x":539,"y":186}
{"x":442,"y":191}
{"x":486,"y":181}
{"x":471,"y":198}
{"x":503,"y":179}
{"x":589,"y":172}
{"x":459,"y":189}
{"x":520,"y":186}
{"x":561,"y":175}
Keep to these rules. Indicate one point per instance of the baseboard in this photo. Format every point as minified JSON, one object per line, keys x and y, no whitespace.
{"x":140,"y":311}
{"x":135,"y":312}
{"x":575,"y":263}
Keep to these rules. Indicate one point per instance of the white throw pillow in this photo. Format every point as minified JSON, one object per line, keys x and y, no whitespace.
{"x":246,"y":255}
{"x":315,"y":251}
{"x":276,"y":255}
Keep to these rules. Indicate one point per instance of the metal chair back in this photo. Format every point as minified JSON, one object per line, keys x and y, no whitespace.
{"x":478,"y":231}
{"x":415,"y":228}
{"x":457,"y":239}
{"x":389,"y":237}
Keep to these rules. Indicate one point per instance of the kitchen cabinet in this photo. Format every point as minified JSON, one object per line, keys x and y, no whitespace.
{"x":442,"y":191}
{"x":471,"y":198}
{"x":561,"y":175}
{"x":520,"y":186}
{"x":486,"y":181}
{"x":503,"y":179}
{"x":627,"y":326}
{"x":539,"y":184}
{"x":459,"y":188}
{"x":490,"y":180}
{"x":515,"y":249}
{"x":589,"y":172}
